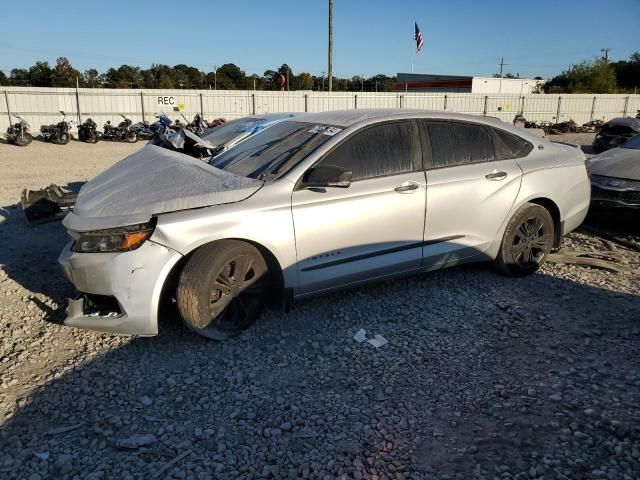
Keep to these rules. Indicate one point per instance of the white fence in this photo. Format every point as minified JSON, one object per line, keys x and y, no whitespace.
{"x":40,"y":106}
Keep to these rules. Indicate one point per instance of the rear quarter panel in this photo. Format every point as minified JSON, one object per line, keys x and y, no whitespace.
{"x":556,"y":172}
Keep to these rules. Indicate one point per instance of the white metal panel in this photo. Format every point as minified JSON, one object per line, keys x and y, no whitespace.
{"x":42,"y":105}
{"x":424,"y":102}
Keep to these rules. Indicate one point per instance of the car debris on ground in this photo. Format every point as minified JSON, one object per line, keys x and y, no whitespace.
{"x":377,"y":340}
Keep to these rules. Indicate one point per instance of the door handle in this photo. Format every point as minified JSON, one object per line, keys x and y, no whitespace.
{"x":496,"y":176}
{"x":408,"y":187}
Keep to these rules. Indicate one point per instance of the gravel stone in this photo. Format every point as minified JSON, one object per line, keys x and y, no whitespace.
{"x":483,"y":377}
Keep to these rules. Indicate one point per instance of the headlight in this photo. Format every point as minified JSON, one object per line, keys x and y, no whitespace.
{"x":615,"y":183}
{"x":122,"y":239}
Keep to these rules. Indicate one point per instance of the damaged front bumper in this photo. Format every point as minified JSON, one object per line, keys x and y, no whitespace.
{"x":130,"y":282}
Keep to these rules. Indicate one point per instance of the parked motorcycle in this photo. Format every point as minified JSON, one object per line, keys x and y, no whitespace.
{"x":124,"y":132}
{"x":160,"y":125}
{"x":18,"y":133}
{"x":184,"y":141}
{"x":143,"y":129}
{"x":87,"y":132}
{"x":197,"y":125}
{"x":57,"y":133}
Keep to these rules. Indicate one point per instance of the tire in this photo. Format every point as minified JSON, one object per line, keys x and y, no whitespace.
{"x":63,"y":139}
{"x":527,"y":241}
{"x":222,"y":289}
{"x":131,"y":137}
{"x":24,"y":141}
{"x":92,"y":137}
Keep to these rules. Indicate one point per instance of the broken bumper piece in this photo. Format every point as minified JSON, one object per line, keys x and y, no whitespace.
{"x":49,"y":204}
{"x":120,"y":292}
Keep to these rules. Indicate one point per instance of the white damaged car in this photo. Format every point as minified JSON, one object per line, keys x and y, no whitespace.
{"x":314,"y":203}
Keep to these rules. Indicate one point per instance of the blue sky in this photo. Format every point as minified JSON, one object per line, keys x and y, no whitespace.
{"x":464,"y":37}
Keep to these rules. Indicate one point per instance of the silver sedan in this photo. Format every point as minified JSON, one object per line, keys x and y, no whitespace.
{"x":315,"y":203}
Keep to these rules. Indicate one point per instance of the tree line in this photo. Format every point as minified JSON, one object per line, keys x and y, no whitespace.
{"x":597,"y":76}
{"x":226,"y":77}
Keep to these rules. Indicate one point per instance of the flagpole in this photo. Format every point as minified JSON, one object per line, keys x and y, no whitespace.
{"x":413,"y":50}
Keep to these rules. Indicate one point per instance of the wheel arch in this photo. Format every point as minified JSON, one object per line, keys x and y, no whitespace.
{"x":554,"y":210}
{"x":278,"y":291}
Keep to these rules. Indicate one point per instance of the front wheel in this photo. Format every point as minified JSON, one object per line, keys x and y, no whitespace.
{"x":23,"y":140}
{"x":222,"y":289}
{"x":527,"y":241}
{"x":131,"y":137}
{"x":63,"y":139}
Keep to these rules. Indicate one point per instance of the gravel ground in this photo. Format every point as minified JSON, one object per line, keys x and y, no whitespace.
{"x":483,"y":377}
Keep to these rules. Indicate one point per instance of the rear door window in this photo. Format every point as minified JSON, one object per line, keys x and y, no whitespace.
{"x":458,"y":143}
{"x":379,"y":150}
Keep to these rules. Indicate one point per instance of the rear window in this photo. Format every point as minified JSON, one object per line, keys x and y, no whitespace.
{"x":633,"y":143}
{"x":618,"y":130}
{"x":510,"y":146}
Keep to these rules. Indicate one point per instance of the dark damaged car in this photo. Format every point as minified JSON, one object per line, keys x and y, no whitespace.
{"x":615,"y":132}
{"x":615,"y":176}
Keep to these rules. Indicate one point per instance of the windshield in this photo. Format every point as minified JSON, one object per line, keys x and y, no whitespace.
{"x":274,"y":150}
{"x":224,"y":133}
{"x":633,"y":143}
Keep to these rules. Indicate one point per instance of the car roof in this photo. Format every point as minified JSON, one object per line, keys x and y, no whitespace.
{"x":346,"y":118}
{"x":633,"y":123}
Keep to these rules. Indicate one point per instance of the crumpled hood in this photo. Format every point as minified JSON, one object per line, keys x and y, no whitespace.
{"x":617,"y":163}
{"x":151,"y":181}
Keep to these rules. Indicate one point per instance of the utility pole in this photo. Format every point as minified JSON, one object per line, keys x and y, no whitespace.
{"x":605,"y":52}
{"x":215,"y":77}
{"x":322,"y":80}
{"x":362,"y":83}
{"x":502,"y":64}
{"x":330,"y":59}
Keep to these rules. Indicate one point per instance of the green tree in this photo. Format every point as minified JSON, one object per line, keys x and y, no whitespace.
{"x":64,"y":75}
{"x":91,"y":78}
{"x":4,"y":80}
{"x":381,"y":83}
{"x":19,"y":77}
{"x":188,"y":77}
{"x":41,"y":75}
{"x":124,"y":76}
{"x":230,"y":77}
{"x":628,"y":73}
{"x":304,"y":81}
{"x":587,"y":77}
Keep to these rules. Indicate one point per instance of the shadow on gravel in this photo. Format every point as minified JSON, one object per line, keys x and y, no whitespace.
{"x":483,"y":375}
{"x":28,"y":256}
{"x":623,"y":221}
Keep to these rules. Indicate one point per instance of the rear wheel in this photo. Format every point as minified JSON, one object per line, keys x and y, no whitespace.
{"x":527,"y":241}
{"x":222,"y":289}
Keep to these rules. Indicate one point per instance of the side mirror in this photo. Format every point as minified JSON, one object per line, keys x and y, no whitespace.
{"x":327,"y":176}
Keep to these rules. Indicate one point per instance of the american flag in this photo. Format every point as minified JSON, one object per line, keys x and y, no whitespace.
{"x":418,"y":38}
